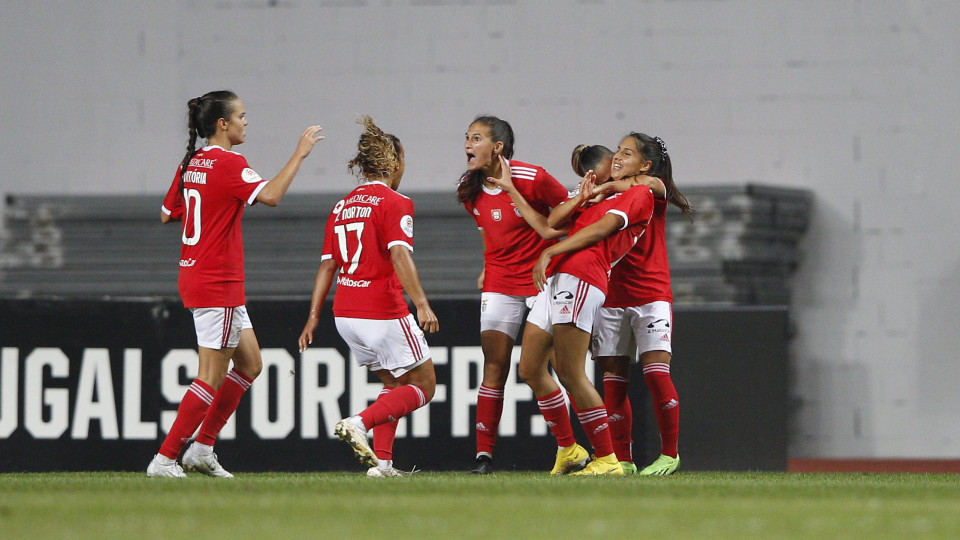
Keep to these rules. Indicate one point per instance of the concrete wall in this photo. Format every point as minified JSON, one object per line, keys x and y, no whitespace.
{"x":854,"y":100}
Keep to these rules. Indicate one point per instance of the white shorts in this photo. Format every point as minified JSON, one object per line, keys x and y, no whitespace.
{"x":633,"y":331}
{"x":396,"y":345}
{"x":503,"y":312}
{"x":566,"y":299}
{"x":219,"y":327}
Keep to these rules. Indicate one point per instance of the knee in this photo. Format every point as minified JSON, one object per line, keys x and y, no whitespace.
{"x":568,"y":377}
{"x":425,"y":380}
{"x":527,"y":373}
{"x":251,"y":369}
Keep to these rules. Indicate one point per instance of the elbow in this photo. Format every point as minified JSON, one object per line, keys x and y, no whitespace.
{"x":552,"y":234}
{"x":268,"y":200}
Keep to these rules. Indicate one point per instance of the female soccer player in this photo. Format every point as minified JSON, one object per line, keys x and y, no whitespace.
{"x":638,"y":312}
{"x":511,"y":246}
{"x":563,"y":312}
{"x":368,"y":240}
{"x":209,"y":192}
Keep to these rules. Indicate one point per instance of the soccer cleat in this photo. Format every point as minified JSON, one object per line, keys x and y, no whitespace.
{"x":606,"y":465}
{"x":356,"y":437}
{"x":628,"y":467}
{"x":195,"y":460}
{"x":663,"y":465}
{"x":159,"y":469}
{"x":484,"y":465}
{"x":377,"y":472}
{"x":570,"y":459}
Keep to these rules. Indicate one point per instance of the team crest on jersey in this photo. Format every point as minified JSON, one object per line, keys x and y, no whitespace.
{"x":496,"y":214}
{"x":406,"y":225}
{"x":250,"y":176}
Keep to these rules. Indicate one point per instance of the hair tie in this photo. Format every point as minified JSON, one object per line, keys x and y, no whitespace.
{"x":663,"y":146}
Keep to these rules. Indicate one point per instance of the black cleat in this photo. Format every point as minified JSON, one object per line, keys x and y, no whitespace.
{"x":484,"y":465}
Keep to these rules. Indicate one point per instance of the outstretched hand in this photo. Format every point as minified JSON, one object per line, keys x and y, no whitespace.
{"x":308,"y":139}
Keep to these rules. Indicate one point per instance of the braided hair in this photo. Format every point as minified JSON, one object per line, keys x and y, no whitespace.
{"x":202,"y":116}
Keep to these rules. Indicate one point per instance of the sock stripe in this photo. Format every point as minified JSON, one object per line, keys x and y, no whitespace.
{"x":552,"y":402}
{"x":421,"y":396}
{"x":241,"y":381}
{"x":590,"y":415}
{"x":615,"y":378}
{"x":493,"y":393}
{"x":201,"y":393}
{"x":658,"y":367}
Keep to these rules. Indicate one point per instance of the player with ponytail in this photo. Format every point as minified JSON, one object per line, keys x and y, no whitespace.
{"x":212,"y":186}
{"x":512,"y":239}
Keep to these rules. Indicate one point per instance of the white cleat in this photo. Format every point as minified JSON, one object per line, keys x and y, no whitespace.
{"x":356,"y":437}
{"x":377,"y":472}
{"x":162,"y":467}
{"x":195,"y":460}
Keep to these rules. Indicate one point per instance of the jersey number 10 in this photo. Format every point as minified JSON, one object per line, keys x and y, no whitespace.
{"x":188,"y":211}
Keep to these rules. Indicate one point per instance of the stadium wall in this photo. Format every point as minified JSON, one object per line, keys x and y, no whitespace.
{"x":853,"y":100}
{"x":94,"y":385}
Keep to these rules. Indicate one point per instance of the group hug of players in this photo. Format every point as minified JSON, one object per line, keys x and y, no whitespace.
{"x":582,"y":271}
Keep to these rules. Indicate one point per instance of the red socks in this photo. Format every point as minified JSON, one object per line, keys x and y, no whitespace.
{"x":384,"y":434}
{"x":224,"y":405}
{"x":554,"y":410}
{"x":489,"y":410}
{"x":594,"y":422}
{"x":666,"y":405}
{"x":393,"y":405}
{"x":621,"y":415}
{"x":190,"y":413}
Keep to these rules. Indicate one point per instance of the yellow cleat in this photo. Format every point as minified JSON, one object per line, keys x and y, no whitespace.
{"x":570,"y":459}
{"x":662,"y":466}
{"x":606,"y":465}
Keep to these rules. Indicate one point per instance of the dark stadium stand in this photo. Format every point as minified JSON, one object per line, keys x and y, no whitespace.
{"x":741,"y":248}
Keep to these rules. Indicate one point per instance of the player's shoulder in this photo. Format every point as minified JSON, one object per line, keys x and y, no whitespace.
{"x":525,"y":171}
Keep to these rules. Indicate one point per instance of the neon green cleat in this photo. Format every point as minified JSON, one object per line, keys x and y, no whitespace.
{"x":663,"y":465}
{"x":606,"y":465}
{"x":570,"y":459}
{"x":628,"y":467}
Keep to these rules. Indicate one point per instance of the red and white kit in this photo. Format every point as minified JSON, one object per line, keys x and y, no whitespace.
{"x":577,"y":281}
{"x":512,"y":246}
{"x":360,"y":231}
{"x":592,"y":264}
{"x":638,"y":312}
{"x":217,"y":186}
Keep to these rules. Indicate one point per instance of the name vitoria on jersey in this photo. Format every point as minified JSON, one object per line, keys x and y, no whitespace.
{"x":217,"y":185}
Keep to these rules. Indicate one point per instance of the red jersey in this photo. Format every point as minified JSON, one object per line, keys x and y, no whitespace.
{"x":512,"y":246}
{"x":217,"y":186}
{"x":643,"y":275}
{"x":592,"y":264}
{"x":360,"y":231}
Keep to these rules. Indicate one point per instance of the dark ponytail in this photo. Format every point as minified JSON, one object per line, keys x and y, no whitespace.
{"x":655,"y":150}
{"x":202,"y":116}
{"x":587,"y":157}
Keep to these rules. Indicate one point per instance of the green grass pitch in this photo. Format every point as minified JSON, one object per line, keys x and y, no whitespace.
{"x":513,"y":505}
